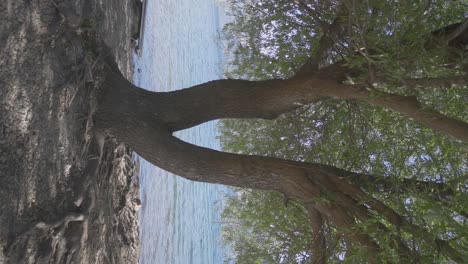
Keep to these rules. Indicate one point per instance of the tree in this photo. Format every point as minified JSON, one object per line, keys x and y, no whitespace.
{"x":259,"y":229}
{"x":334,"y":136}
{"x":349,"y":59}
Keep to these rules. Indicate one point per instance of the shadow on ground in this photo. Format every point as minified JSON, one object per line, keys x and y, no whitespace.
{"x":65,"y":198}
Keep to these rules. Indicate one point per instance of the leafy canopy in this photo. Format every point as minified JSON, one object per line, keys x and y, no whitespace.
{"x":388,"y":43}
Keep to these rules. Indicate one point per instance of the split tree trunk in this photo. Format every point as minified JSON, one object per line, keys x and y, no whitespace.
{"x":145,"y":121}
{"x":230,"y":98}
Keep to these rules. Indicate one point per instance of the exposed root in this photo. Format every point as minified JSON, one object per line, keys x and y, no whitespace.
{"x":62,"y":222}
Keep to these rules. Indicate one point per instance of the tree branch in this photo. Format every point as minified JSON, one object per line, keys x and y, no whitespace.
{"x":370,"y":183}
{"x":407,"y":105}
{"x":399,"y":221}
{"x":435,"y":82}
{"x":460,"y":29}
{"x":373,"y":183}
{"x":331,"y":33}
{"x":319,"y":246}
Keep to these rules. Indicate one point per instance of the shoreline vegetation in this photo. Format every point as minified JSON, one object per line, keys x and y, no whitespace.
{"x":67,"y":197}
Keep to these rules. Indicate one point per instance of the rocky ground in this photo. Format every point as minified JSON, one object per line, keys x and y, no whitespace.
{"x":65,"y":197}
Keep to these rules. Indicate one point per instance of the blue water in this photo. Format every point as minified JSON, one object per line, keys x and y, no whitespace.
{"x":179,"y":220}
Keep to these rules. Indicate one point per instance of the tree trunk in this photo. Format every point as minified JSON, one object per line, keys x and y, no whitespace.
{"x":145,"y":121}
{"x":229,"y":98}
{"x":268,"y":99}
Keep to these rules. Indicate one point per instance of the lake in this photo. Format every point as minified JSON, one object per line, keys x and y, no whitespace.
{"x":180,"y":220}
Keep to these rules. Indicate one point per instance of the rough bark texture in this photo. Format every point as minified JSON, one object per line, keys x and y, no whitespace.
{"x":141,"y":119}
{"x":318,"y":236}
{"x":237,"y":99}
{"x":268,"y":99}
{"x":63,"y":198}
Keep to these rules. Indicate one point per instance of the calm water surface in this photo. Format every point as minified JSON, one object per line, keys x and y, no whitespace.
{"x":179,"y":221}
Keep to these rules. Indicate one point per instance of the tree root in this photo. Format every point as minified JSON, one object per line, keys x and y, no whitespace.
{"x":45,"y":231}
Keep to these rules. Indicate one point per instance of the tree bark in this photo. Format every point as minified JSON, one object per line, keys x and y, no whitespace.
{"x":238,"y":99}
{"x":268,"y":99}
{"x":145,"y":121}
{"x":319,"y":244}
